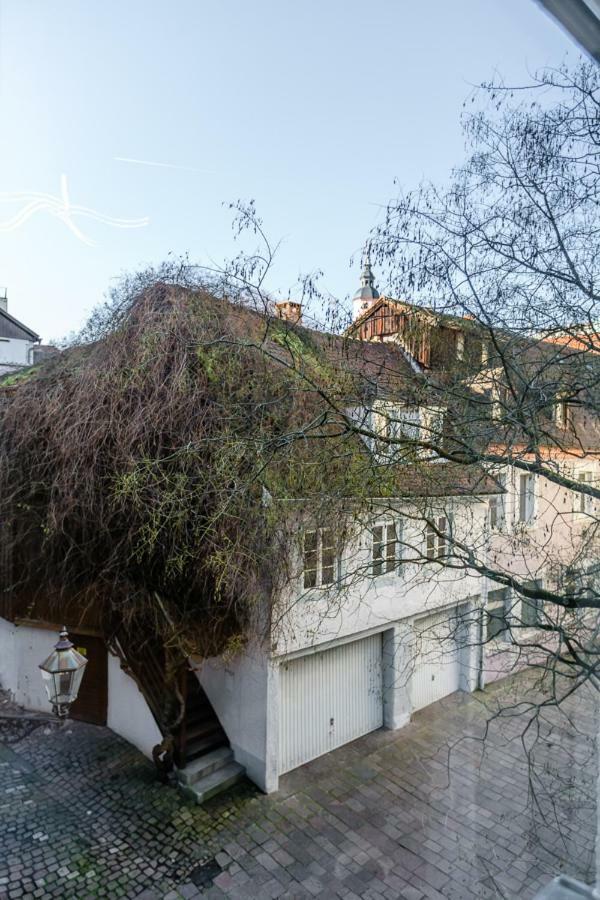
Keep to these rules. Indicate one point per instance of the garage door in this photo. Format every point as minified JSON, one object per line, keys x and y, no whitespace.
{"x":328,"y":699}
{"x":436,"y":662}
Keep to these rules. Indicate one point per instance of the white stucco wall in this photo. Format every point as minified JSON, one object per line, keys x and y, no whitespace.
{"x":243,"y":693}
{"x":22,"y":648}
{"x":15,"y":352}
{"x":551,"y":540}
{"x":8,"y":665}
{"x":360,"y":602}
{"x":244,"y":690}
{"x":128,"y":713}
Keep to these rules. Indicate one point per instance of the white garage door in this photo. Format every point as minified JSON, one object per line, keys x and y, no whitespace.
{"x":328,"y":699}
{"x":436,"y":662}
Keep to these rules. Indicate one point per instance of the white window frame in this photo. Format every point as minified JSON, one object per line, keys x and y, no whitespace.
{"x":497,"y":505}
{"x":499,"y":401}
{"x":393,"y":420}
{"x":325,"y":572}
{"x":562,"y":414}
{"x":431,"y":427}
{"x":436,"y":546}
{"x":403,"y":422}
{"x":526,"y":494}
{"x":386,"y":563}
{"x":583,"y":502}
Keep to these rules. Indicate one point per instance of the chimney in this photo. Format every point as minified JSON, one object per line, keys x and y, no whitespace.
{"x":289,"y":311}
{"x":4,"y":299}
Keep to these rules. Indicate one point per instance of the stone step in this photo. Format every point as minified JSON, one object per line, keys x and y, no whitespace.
{"x":205,"y":764}
{"x":212,"y":784}
{"x":199,"y":746}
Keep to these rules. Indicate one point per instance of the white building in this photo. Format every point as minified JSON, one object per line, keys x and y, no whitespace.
{"x":383,"y":639}
{"x":359,"y":638}
{"x":17,"y":341}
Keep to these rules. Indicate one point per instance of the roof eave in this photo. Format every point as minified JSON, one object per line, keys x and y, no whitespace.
{"x":7,"y":315}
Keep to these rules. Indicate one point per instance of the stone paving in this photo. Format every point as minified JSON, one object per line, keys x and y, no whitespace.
{"x":393,"y":815}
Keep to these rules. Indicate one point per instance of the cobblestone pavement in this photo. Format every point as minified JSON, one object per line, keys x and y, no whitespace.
{"x":393,"y":815}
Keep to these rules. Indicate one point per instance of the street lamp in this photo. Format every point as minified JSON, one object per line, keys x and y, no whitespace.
{"x":62,"y":673}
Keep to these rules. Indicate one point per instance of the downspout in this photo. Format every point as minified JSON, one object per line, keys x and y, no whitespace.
{"x":481,"y":616}
{"x":481,"y":658}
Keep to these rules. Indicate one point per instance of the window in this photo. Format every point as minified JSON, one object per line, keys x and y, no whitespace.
{"x":526,"y":497}
{"x":497,"y":509}
{"x":499,"y":401}
{"x":435,"y":538}
{"x":432,"y":427}
{"x":410,"y":424}
{"x":391,"y":421}
{"x":532,"y":607}
{"x":497,"y":612}
{"x":319,"y":558}
{"x":583,"y":502}
{"x":385,"y":548}
{"x":562,"y":413}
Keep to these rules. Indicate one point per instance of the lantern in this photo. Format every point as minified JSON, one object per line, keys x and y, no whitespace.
{"x":62,"y":673}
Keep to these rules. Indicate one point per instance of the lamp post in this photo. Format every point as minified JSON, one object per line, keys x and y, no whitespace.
{"x":62,"y":673}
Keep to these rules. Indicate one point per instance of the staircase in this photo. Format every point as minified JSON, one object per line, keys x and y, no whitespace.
{"x":205,"y":763}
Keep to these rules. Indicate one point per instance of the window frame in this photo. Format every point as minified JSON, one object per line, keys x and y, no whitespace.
{"x":497,"y":505}
{"x":502,"y":599}
{"x":436,"y":546}
{"x":562,"y":412}
{"x":583,"y":502}
{"x":321,"y":551}
{"x":388,"y":563}
{"x":409,"y":425}
{"x":527,"y":506}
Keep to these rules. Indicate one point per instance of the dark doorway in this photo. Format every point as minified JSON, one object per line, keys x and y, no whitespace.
{"x":92,"y":702}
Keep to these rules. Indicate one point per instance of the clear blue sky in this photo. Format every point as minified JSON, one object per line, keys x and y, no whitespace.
{"x":311,"y":107}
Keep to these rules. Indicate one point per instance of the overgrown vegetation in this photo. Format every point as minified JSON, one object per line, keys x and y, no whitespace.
{"x":141,"y":472}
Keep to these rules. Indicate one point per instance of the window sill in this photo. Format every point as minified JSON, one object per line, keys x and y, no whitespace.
{"x":385,"y":576}
{"x":319,"y":590}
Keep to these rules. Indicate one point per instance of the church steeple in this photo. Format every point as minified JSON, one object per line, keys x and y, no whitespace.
{"x":367,"y":293}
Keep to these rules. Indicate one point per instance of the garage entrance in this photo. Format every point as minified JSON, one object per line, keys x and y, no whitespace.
{"x":436,"y":658}
{"x":328,"y":699}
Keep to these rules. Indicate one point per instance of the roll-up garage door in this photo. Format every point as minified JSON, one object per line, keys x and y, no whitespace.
{"x":436,"y":661}
{"x":328,"y":699}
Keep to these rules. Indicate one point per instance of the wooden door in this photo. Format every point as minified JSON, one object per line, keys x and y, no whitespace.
{"x":91,"y":704}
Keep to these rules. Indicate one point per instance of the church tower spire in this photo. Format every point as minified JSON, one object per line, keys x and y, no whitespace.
{"x":367,"y":293}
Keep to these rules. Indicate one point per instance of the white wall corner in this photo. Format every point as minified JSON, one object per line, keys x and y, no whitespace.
{"x":128,"y":714}
{"x":238,"y":690}
{"x":8,"y":657}
{"x":271,"y":774}
{"x":472,"y":651}
{"x":397,"y":664}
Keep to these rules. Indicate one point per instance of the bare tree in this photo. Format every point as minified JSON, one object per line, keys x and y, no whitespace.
{"x":195,"y":466}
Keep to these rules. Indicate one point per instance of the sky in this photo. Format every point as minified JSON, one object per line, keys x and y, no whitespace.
{"x":312,"y":108}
